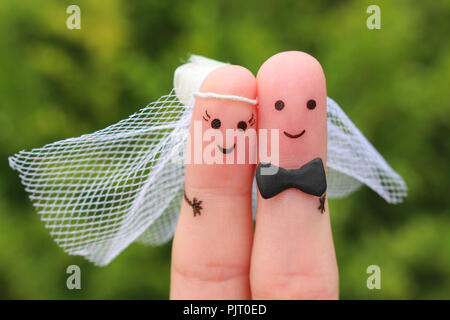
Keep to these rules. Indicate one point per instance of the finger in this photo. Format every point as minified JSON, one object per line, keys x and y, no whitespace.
{"x":213,"y":240}
{"x":293,"y":255}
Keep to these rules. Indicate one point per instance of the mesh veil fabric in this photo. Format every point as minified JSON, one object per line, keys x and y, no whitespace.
{"x":100,"y":192}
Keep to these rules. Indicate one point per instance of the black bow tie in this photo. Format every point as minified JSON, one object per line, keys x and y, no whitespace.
{"x":309,"y":178}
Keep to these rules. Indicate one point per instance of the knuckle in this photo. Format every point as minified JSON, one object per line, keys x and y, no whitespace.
{"x":296,"y":286}
{"x":212,"y":273}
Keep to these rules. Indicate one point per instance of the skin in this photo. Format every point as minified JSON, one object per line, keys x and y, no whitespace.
{"x":293,"y":255}
{"x":211,"y":250}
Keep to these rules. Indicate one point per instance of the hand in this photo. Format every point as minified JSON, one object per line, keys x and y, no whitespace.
{"x":290,"y":255}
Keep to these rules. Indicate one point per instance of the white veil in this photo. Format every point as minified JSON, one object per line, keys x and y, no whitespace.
{"x":99,"y":192}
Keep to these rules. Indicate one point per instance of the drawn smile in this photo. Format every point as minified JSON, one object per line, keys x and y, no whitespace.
{"x":294,"y":136}
{"x":224,"y":150}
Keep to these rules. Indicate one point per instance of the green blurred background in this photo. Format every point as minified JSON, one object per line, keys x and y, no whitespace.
{"x":57,"y":83}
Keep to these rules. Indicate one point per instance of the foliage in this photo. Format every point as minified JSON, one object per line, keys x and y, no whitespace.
{"x":393,"y":83}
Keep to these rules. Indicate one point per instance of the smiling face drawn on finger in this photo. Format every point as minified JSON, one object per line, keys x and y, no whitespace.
{"x":279,"y":105}
{"x":292,"y":98}
{"x":240,"y":125}
{"x":223,"y":127}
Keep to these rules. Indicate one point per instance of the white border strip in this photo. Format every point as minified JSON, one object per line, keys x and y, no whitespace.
{"x":225,"y":97}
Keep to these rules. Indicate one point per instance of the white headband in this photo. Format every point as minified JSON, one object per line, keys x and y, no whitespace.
{"x":225,"y":97}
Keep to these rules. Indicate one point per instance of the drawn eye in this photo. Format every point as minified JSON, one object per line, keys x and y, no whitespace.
{"x":215,"y":124}
{"x":279,"y":105}
{"x":311,"y":104}
{"x":242,"y":125}
{"x":207,"y":116}
{"x":252,"y":120}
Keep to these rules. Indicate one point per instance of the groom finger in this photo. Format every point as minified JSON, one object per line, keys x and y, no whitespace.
{"x":293,"y":255}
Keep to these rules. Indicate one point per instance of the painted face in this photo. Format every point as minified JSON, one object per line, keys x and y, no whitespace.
{"x":223,"y":131}
{"x":292,"y":98}
{"x":240,"y":120}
